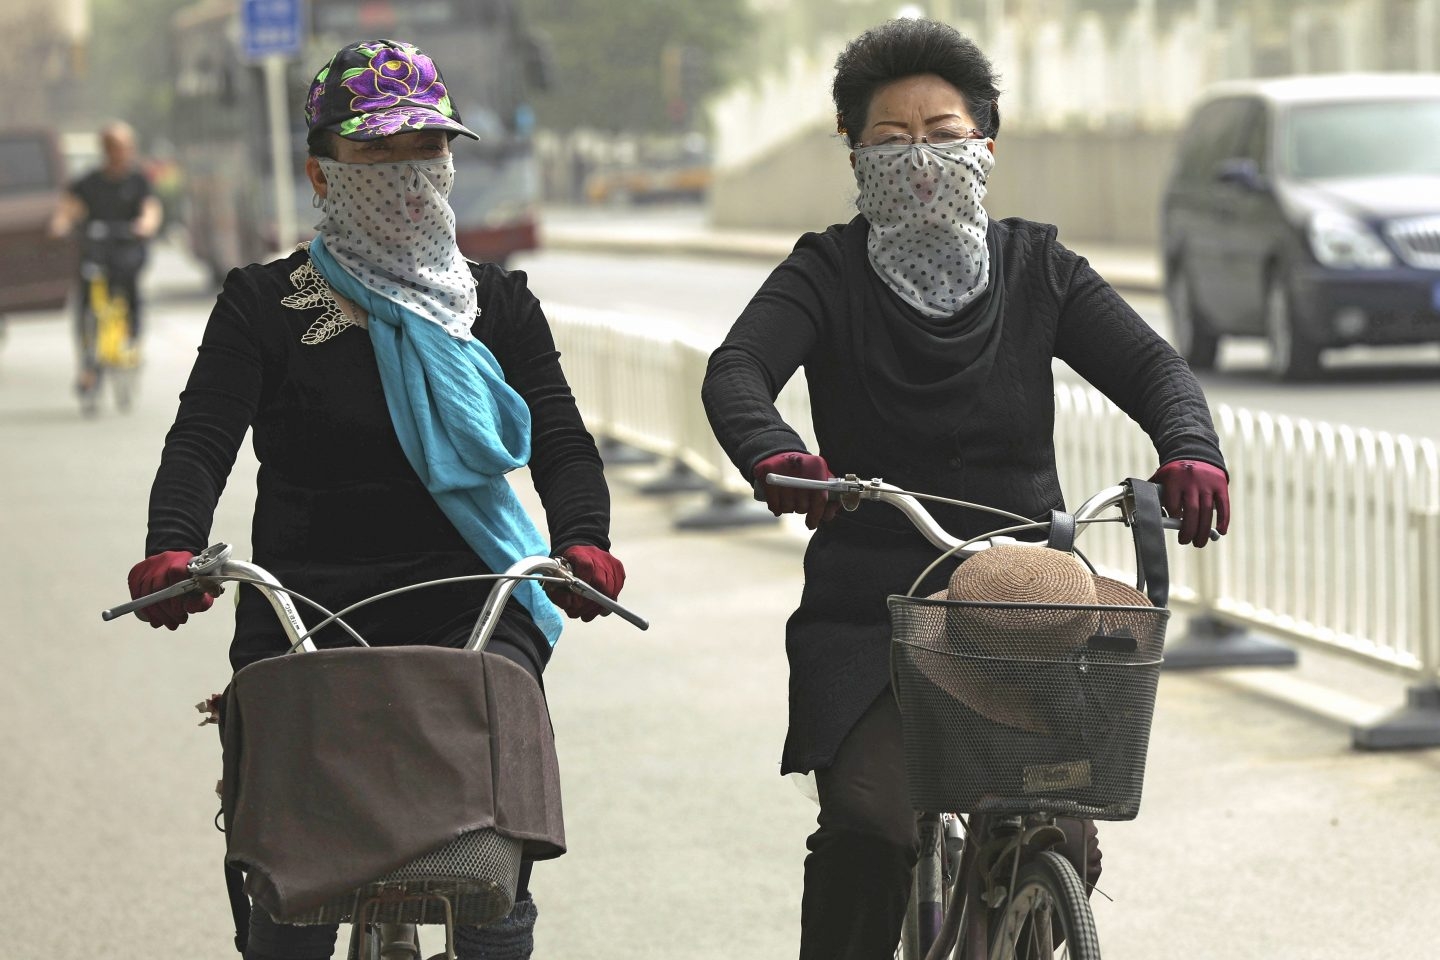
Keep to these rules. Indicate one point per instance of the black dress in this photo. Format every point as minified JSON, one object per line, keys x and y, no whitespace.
{"x":340,"y":514}
{"x":963,"y":407}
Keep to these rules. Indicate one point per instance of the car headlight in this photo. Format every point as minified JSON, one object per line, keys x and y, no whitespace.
{"x":1344,"y":242}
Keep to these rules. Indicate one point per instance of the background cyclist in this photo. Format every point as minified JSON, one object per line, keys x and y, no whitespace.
{"x":390,"y":385}
{"x":116,"y":196}
{"x":927,"y":332}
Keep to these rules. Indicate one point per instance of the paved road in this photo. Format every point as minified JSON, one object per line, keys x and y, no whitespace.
{"x":1262,"y":836}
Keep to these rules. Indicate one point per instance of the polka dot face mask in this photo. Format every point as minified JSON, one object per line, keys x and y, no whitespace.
{"x":390,"y":226}
{"x":927,"y":227}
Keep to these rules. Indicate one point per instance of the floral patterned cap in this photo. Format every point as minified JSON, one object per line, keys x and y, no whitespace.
{"x":376,"y":88}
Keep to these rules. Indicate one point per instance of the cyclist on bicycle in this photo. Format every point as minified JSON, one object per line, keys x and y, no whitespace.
{"x":927,"y":332}
{"x":390,"y":385}
{"x":118,"y":215}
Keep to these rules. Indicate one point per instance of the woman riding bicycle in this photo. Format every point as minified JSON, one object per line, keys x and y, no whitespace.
{"x":927,"y":332}
{"x":390,"y":385}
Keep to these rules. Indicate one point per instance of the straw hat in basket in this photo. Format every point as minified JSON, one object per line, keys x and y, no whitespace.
{"x":998,"y":651}
{"x":1113,"y":593}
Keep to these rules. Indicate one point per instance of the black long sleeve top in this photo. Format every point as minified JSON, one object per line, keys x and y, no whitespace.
{"x":339,"y":512}
{"x":872,"y":364}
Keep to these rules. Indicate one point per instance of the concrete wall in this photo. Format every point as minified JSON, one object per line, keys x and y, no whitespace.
{"x":1097,"y":188}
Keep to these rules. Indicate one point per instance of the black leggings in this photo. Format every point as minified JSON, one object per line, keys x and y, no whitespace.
{"x":857,"y":876}
{"x":268,"y":940}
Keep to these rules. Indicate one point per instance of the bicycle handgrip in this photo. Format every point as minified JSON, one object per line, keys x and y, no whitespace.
{"x":590,"y":593}
{"x":803,"y":483}
{"x":190,"y":585}
{"x":1173,"y":523}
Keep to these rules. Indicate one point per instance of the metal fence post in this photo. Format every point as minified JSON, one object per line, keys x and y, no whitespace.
{"x":679,"y":478}
{"x":732,"y":502}
{"x":614,"y":451}
{"x":1210,"y":641}
{"x":1417,"y":724}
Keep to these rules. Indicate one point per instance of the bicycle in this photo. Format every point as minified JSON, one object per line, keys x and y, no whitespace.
{"x":108,"y":346}
{"x":470,"y":881}
{"x":988,"y":789}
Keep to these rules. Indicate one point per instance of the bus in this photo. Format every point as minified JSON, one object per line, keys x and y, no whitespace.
{"x":492,"y":65}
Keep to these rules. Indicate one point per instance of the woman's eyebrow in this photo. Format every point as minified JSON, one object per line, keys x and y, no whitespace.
{"x":902,"y":123}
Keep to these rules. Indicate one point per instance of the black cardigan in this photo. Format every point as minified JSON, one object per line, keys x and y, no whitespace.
{"x":827,"y":310}
{"x":340,"y":514}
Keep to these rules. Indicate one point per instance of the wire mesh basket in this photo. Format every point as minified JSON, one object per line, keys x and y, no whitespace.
{"x":477,"y":873}
{"x":1020,"y":707}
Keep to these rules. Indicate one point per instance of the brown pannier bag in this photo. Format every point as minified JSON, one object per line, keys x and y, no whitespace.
{"x":344,"y":768}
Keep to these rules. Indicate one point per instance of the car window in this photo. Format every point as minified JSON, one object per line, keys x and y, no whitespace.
{"x":1254,"y":140}
{"x":1213,"y":136}
{"x":1363,"y":139}
{"x":25,"y":165}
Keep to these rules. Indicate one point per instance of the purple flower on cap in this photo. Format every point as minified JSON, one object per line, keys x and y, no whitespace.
{"x":391,"y":121}
{"x":378,"y":88}
{"x":394,"y":74}
{"x":317,"y":90}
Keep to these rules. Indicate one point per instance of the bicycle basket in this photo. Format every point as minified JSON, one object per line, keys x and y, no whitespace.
{"x":477,"y":873}
{"x":389,"y":773}
{"x":1022,"y":707}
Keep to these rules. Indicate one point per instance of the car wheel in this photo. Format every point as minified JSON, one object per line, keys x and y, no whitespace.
{"x":1293,"y":355}
{"x":1189,"y":331}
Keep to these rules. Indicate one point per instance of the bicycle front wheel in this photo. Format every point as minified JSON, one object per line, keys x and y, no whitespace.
{"x":1048,"y":916}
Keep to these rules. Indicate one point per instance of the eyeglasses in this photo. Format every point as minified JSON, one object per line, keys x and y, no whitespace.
{"x":939,"y":137}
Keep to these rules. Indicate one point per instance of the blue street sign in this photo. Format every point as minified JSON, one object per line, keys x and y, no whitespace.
{"x":272,"y":27}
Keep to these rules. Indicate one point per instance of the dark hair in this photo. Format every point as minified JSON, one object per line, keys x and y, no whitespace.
{"x":321,"y":143}
{"x":904,"y":48}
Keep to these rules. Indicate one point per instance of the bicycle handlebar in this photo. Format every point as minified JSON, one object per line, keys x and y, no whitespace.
{"x":214,"y":566}
{"x":169,"y":593}
{"x":851,"y":490}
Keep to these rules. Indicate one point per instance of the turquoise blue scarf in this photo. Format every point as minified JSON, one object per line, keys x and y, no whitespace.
{"x":462,"y":428}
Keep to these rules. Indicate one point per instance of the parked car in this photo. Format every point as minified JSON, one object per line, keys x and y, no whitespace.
{"x":1306,"y":210}
{"x":36,"y":270}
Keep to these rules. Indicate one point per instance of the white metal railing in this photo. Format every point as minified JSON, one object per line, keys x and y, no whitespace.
{"x":1335,"y":537}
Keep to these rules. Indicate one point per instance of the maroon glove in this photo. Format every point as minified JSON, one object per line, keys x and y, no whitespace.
{"x":599,"y":568}
{"x":157,"y":573}
{"x":815,"y":504}
{"x":1197,"y":493}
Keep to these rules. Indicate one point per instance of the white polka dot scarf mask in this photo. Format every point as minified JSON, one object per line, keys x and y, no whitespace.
{"x":927,"y":227}
{"x":391,"y":227}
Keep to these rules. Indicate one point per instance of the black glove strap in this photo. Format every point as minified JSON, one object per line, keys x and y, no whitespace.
{"x":1151,"y":563}
{"x":1062,"y":531}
